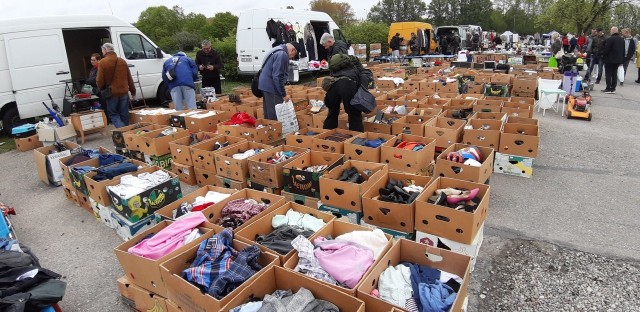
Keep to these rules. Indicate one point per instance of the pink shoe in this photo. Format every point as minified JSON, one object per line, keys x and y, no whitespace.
{"x":454,"y":199}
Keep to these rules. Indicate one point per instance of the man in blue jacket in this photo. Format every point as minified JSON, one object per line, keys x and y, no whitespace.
{"x":274,"y":75}
{"x":180,"y":73}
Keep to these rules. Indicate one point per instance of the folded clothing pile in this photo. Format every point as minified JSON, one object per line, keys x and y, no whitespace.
{"x":402,"y":192}
{"x":84,"y":155}
{"x":133,"y":185}
{"x":374,"y":143}
{"x":286,"y":300}
{"x":238,"y":211}
{"x":218,"y":269}
{"x":286,"y":228}
{"x":103,"y":160}
{"x":471,"y":156}
{"x":418,"y":288}
{"x":167,"y":240}
{"x":157,"y":111}
{"x":457,"y":198}
{"x":280,"y":157}
{"x":248,"y":153}
{"x":200,"y":203}
{"x":408,"y":145}
{"x":341,"y":261}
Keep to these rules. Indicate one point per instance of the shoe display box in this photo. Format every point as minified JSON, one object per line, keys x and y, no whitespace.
{"x":181,"y":150}
{"x":237,"y":169}
{"x":166,"y":212}
{"x":98,"y":189}
{"x":470,"y":250}
{"x":365,"y":153}
{"x":320,"y":143}
{"x":457,"y":225}
{"x":299,"y":181}
{"x":513,"y":165}
{"x":177,"y":119}
{"x":301,"y":139}
{"x":391,"y":215}
{"x":264,"y":131}
{"x":137,"y":207}
{"x":520,"y":140}
{"x":415,"y":162}
{"x":410,"y":124}
{"x":206,"y":121}
{"x":409,"y":251}
{"x":117,"y":134}
{"x":446,"y":131}
{"x":485,"y":132}
{"x":348,"y":195}
{"x":460,"y":171}
{"x":203,"y":154}
{"x":267,"y":174}
{"x":133,"y":137}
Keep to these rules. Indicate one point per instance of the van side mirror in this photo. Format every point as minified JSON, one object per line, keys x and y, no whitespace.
{"x":159,"y":53}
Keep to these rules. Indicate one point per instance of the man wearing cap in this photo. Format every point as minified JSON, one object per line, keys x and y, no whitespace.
{"x":274,"y":75}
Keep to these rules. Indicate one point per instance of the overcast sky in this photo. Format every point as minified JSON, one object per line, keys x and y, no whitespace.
{"x":129,"y":10}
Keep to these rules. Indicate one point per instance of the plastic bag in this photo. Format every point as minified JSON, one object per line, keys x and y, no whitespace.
{"x":621,"y":73}
{"x":286,"y":114}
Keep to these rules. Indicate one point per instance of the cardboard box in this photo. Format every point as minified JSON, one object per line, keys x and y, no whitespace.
{"x":117,"y":135}
{"x":127,"y":229}
{"x":446,"y":131}
{"x":344,"y":215}
{"x":177,"y":119}
{"x":161,"y":116}
{"x":525,"y":85}
{"x":65,"y":168}
{"x":163,"y":161}
{"x":137,"y":207}
{"x":262,"y":188}
{"x":267,"y":174}
{"x":70,"y":192}
{"x":97,"y":189}
{"x":415,"y":162}
{"x":335,"y":229}
{"x":189,"y":297}
{"x":203,"y":153}
{"x":470,"y":250}
{"x":487,"y":106}
{"x":152,"y":145}
{"x":102,"y":213}
{"x":206,"y":121}
{"x":185,"y":173}
{"x":517,"y":109}
{"x":485,"y":132}
{"x":181,"y":148}
{"x":523,"y":100}
{"x":431,"y":102}
{"x":133,"y":137}
{"x":304,"y":137}
{"x":393,"y":233}
{"x":501,"y":78}
{"x":522,"y":120}
{"x":142,"y":299}
{"x":270,"y":131}
{"x":427,"y":112}
{"x":50,"y":135}
{"x":299,"y":181}
{"x":408,"y":251}
{"x":347,"y":195}
{"x":449,"y":87}
{"x":317,"y":119}
{"x":410,"y":124}
{"x":365,"y":153}
{"x":457,"y":225}
{"x":513,"y":165}
{"x":47,"y":163}
{"x":231,"y":184}
{"x":395,"y":216}
{"x":520,"y":140}
{"x":491,"y":116}
{"x":144,"y":272}
{"x":450,"y":169}
{"x":77,"y":177}
{"x":427,"y":85}
{"x":320,"y":143}
{"x":214,"y":212}
{"x":204,"y":177}
{"x":28,"y":143}
{"x":166,"y":212}
{"x":278,"y":278}
{"x":305,"y":118}
{"x":301,"y":199}
{"x":172,"y":307}
{"x":263,"y":226}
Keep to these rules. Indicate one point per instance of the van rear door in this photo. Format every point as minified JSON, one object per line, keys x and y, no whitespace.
{"x":140,"y":54}
{"x":37,"y":64}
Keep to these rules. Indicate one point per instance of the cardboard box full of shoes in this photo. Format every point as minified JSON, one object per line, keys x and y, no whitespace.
{"x":517,"y":109}
{"x":265,"y":172}
{"x":456,"y":170}
{"x":181,"y":148}
{"x":264,"y":131}
{"x":520,"y":140}
{"x":409,"y":251}
{"x":487,"y":106}
{"x":132,"y":135}
{"x":237,"y":168}
{"x":446,"y":131}
{"x":407,"y":159}
{"x":410,"y":124}
{"x":444,"y":221}
{"x":156,"y":142}
{"x":347,"y":194}
{"x":332,"y":141}
{"x":203,"y":153}
{"x":396,"y":215}
{"x":304,"y":137}
{"x":357,"y":148}
{"x":300,"y":181}
{"x":483,"y":132}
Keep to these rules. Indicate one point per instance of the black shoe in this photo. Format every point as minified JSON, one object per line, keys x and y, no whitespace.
{"x":637,"y":81}
{"x":346,"y":173}
{"x":622,"y":84}
{"x":597,"y":81}
{"x":355,"y":178}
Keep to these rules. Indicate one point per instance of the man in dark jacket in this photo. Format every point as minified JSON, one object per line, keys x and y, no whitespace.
{"x":182,"y":85}
{"x":613,"y":55}
{"x":210,"y":65}
{"x":333,"y":46}
{"x":629,"y":50}
{"x":274,"y":75}
{"x":596,"y":49}
{"x":394,"y":45}
{"x":114,"y":72}
{"x":341,"y":86}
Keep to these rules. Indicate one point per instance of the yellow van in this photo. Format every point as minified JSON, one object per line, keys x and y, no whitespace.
{"x":406,"y":28}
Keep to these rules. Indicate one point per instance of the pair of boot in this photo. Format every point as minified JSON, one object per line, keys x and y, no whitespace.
{"x":396,"y":192}
{"x":351,"y":175}
{"x":459,"y":199}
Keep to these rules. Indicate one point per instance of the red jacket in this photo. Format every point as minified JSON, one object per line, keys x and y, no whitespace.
{"x":565,"y":40}
{"x":582,"y":40}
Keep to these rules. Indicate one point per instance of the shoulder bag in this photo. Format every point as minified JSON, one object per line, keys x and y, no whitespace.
{"x":105,"y":92}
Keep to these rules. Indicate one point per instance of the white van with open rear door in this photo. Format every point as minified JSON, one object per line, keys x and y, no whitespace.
{"x":38,"y":54}
{"x":252,"y":40}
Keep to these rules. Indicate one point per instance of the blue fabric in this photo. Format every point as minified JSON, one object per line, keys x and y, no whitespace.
{"x":118,"y":110}
{"x":108,"y":159}
{"x":83,"y":169}
{"x":421,"y":275}
{"x":109,"y":172}
{"x":186,"y":94}
{"x":436,"y":297}
{"x":186,"y":71}
{"x":92,"y":153}
{"x":374,"y":143}
{"x":5,"y":243}
{"x":275,"y":72}
{"x":243,"y":267}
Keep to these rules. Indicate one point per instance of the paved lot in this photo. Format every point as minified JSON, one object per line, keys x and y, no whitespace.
{"x":582,"y":196}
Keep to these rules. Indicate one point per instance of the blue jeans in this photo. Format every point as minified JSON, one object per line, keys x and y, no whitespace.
{"x":183,"y":93}
{"x":595,"y":60}
{"x":118,"y":110}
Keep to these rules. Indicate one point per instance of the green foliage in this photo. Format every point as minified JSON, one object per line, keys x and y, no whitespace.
{"x":341,"y":12}
{"x":221,"y":25}
{"x":185,"y":41}
{"x":368,"y":32}
{"x":585,"y":15}
{"x":159,"y":22}
{"x":195,"y":24}
{"x":389,"y":11}
{"x":227,"y":49}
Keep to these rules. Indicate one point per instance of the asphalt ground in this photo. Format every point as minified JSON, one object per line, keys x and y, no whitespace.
{"x":582,"y":199}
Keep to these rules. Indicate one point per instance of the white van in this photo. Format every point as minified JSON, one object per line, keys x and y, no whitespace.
{"x":252,"y":41}
{"x":36,"y":54}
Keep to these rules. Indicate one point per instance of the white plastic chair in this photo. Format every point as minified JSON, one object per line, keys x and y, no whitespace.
{"x":549,"y":95}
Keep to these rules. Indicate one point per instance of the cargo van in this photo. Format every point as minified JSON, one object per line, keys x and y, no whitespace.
{"x":39,"y":54}
{"x":252,"y":40}
{"x":406,"y":28}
